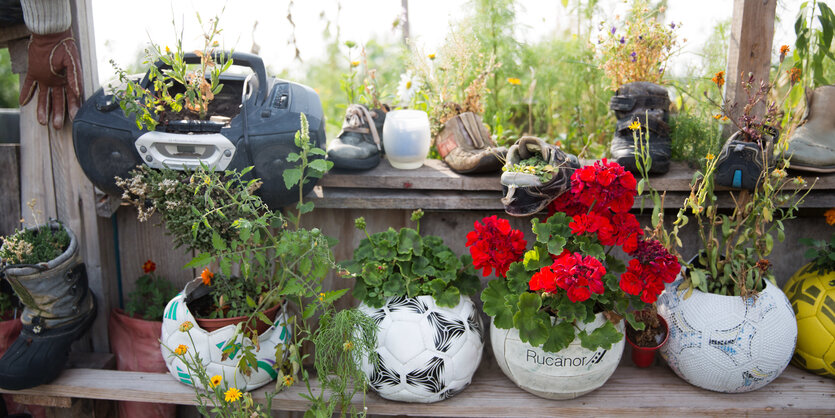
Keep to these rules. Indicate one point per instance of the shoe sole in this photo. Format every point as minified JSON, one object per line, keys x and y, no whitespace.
{"x":355,"y":163}
{"x":800,"y":167}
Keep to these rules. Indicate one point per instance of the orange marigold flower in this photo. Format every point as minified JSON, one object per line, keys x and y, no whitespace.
{"x":783,"y":51}
{"x":180,"y":350}
{"x":288,"y":380}
{"x":719,"y":79}
{"x":830,"y":216}
{"x":207,"y":276}
{"x":149,"y":267}
{"x":794,"y":75}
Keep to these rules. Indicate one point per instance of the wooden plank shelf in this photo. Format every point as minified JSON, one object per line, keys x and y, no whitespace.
{"x":435,"y":187}
{"x":630,"y":391}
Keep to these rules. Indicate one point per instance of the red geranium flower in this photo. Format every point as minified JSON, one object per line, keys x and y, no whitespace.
{"x":604,"y":185}
{"x":495,"y":245}
{"x":568,"y":204}
{"x":579,"y":276}
{"x":149,"y":267}
{"x":646,"y":274}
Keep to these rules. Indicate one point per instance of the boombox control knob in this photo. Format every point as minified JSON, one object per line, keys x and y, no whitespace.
{"x":227,"y":153}
{"x":148,"y":158}
{"x":143,"y":149}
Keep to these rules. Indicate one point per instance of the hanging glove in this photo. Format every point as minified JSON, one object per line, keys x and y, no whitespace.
{"x":55,"y":73}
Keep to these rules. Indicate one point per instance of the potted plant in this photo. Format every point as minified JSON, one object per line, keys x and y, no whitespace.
{"x":557,"y":308}
{"x":450,"y":86}
{"x":811,"y":291}
{"x":633,"y":54}
{"x":417,"y":292}
{"x":645,"y":343}
{"x":731,"y":328}
{"x":134,"y":336}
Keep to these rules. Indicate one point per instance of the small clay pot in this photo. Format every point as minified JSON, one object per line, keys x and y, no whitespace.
{"x":643,"y":356}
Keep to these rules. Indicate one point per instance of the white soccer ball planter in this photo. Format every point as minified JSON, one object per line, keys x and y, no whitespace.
{"x":426,"y":353}
{"x":728,"y":343}
{"x":571,"y":372}
{"x":210,"y":347}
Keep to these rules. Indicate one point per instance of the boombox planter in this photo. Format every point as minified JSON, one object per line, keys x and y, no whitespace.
{"x":257,"y":129}
{"x":727,"y":344}
{"x":211,"y":344}
{"x":426,"y":353}
{"x":566,"y":374}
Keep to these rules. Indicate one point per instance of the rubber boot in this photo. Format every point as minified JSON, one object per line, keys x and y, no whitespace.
{"x":812,"y":146}
{"x":359,"y":145}
{"x":649,"y":104}
{"x":742,"y":164}
{"x":525,"y":193}
{"x":58,"y":309}
{"x":467,"y":147}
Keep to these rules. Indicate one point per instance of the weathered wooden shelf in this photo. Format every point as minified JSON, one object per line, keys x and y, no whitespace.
{"x":630,"y":391}
{"x":435,"y":187}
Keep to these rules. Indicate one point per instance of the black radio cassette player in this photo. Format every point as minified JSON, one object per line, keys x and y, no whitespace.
{"x":260,"y":133}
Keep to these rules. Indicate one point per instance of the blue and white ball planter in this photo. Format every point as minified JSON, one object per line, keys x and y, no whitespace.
{"x":728,"y":343}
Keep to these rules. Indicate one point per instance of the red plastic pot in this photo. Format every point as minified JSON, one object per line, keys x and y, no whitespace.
{"x":643,"y":356}
{"x":210,"y":325}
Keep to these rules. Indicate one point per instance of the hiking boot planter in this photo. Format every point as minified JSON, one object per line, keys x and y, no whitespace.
{"x":58,"y":309}
{"x":571,"y":372}
{"x":255,"y":122}
{"x":741,"y":163}
{"x":359,"y":145}
{"x":649,"y":104}
{"x":210,"y":345}
{"x":812,"y":146}
{"x":727,"y":343}
{"x":427,"y":353}
{"x":525,"y":193}
{"x":467,"y":147}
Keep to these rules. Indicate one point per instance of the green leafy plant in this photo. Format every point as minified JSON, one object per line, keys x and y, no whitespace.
{"x":814,"y":43}
{"x":403,"y":263}
{"x":534,"y":165}
{"x":37,"y":244}
{"x":821,"y":252}
{"x":152,"y":293}
{"x":637,"y":49}
{"x":180,"y":91}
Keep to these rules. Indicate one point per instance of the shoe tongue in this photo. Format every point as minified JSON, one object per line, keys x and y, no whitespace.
{"x":532,"y":147}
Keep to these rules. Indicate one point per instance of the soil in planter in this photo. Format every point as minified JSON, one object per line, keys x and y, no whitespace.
{"x":652,"y":335}
{"x":226,"y":103}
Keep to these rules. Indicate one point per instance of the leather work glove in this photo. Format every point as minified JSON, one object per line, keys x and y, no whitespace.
{"x":55,"y":72}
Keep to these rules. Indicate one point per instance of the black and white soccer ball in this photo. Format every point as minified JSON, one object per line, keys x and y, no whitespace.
{"x":427,"y":353}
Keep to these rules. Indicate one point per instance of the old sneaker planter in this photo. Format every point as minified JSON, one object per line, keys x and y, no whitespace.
{"x":567,"y":374}
{"x":427,"y":353}
{"x":210,"y":346}
{"x":728,"y":343}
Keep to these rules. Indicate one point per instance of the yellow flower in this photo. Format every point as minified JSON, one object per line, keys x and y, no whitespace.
{"x":232,"y":395}
{"x":167,"y":49}
{"x":717,"y":116}
{"x":207,"y":276}
{"x":515,"y":81}
{"x":215,"y":380}
{"x":321,"y":297}
{"x":288,"y":380}
{"x":710,"y":156}
{"x":635,"y":125}
{"x":355,"y":64}
{"x":180,"y":350}
{"x":215,"y":44}
{"x":185,"y":326}
{"x":347,"y":346}
{"x":799,"y":180}
{"x":830,"y":216}
{"x":431,"y":56}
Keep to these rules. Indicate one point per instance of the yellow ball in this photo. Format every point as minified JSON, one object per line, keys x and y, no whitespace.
{"x":812,"y":296}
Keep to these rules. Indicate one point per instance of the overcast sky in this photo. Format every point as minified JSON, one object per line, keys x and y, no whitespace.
{"x":122,"y":33}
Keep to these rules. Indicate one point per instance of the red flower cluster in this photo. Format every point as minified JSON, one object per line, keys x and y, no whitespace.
{"x":620,"y":229}
{"x":598,"y":187}
{"x":646,"y":274}
{"x":149,"y":266}
{"x":495,"y":245}
{"x":579,"y":276}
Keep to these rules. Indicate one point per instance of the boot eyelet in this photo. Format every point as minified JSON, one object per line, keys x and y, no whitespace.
{"x":37,"y":329}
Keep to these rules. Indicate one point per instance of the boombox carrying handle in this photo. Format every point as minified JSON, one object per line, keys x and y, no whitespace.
{"x":240,"y":58}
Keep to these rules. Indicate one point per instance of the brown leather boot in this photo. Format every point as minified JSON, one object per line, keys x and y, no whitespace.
{"x":467,"y":147}
{"x":812,"y":147}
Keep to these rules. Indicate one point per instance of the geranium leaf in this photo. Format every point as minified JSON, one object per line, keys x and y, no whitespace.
{"x":537,"y":258}
{"x":495,"y":304}
{"x":409,"y":242}
{"x":560,"y":336}
{"x":571,"y":311}
{"x":394,"y":285}
{"x":517,"y":278}
{"x":528,"y":321}
{"x":602,"y":337}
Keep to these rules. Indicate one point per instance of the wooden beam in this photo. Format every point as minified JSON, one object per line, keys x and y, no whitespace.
{"x":752,"y":33}
{"x":9,"y":188}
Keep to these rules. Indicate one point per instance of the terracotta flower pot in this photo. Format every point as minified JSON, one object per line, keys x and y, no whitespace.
{"x":135,"y":343}
{"x":644,"y":356}
{"x":210,"y":325}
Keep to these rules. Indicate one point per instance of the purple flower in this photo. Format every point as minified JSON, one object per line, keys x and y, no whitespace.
{"x":622,"y":40}
{"x":634,"y":56}
{"x":672,"y":25}
{"x":661,"y":70}
{"x":613,"y":30}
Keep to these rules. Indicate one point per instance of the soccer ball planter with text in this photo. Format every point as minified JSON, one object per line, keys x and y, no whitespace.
{"x":557,"y":308}
{"x":417,"y":290}
{"x":180,"y":329}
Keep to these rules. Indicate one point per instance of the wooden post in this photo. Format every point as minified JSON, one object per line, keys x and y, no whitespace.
{"x":51,"y":174}
{"x":752,"y":33}
{"x":404,"y":21}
